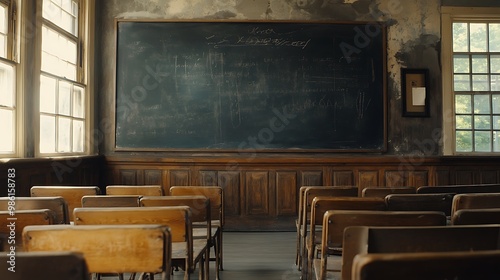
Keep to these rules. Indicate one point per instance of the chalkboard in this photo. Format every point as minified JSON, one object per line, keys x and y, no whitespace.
{"x":250,"y":86}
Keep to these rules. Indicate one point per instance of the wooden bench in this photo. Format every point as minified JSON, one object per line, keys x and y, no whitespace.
{"x":15,"y":224}
{"x":144,"y":190}
{"x":306,"y":195}
{"x":44,"y":265}
{"x":475,"y":201}
{"x":216,"y":196}
{"x":71,"y":194}
{"x":321,"y":204}
{"x":456,"y":189}
{"x":382,"y":192}
{"x":111,"y":200}
{"x":108,"y":248}
{"x":57,"y":204}
{"x":476,"y":216}
{"x":186,"y":252}
{"x":336,"y":221}
{"x":420,"y":202}
{"x":435,"y":265}
{"x":363,"y":240}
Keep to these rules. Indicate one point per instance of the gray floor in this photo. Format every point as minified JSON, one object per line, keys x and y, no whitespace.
{"x":254,"y":255}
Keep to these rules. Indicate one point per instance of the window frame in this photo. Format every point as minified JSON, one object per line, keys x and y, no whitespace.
{"x":449,"y":15}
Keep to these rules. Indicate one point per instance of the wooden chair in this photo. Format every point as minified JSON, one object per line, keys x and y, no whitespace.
{"x":186,"y":252}
{"x":456,"y":189}
{"x":17,"y":222}
{"x":71,"y":194}
{"x":435,"y":265}
{"x":420,"y":202}
{"x":382,"y":192}
{"x":200,"y":213}
{"x":476,"y":216}
{"x":365,"y":239}
{"x":111,"y":200}
{"x":44,"y":265}
{"x":475,"y":201}
{"x":57,"y":204}
{"x":108,"y":248}
{"x":144,"y":190}
{"x":216,"y":196}
{"x":306,"y":195}
{"x":321,"y":204}
{"x":336,"y":221}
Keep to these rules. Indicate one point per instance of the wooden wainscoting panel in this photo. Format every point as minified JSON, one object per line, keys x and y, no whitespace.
{"x":464,"y":177}
{"x":257,"y":192}
{"x":229,"y":181}
{"x":179,"y":177}
{"x":311,"y":178}
{"x":396,"y":178}
{"x":343,"y":178}
{"x":153,"y":177}
{"x":128,"y":177}
{"x":368,"y":178}
{"x":208,"y":178}
{"x":442,"y":178}
{"x":489,"y":176}
{"x":418,"y":178}
{"x":286,"y":193}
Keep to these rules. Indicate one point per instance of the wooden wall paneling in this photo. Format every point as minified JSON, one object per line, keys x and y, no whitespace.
{"x":230,"y":183}
{"x":179,"y":177}
{"x":311,"y":178}
{"x":257,"y":192}
{"x":343,"y":178}
{"x":442,"y":177}
{"x":368,"y":178}
{"x":128,"y":177}
{"x":153,"y":177}
{"x":286,"y":193}
{"x":488,"y":176}
{"x":395,"y":178}
{"x":464,"y":177}
{"x":208,"y":178}
{"x":418,"y":178}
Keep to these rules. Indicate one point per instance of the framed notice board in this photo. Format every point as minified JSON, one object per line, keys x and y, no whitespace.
{"x":250,"y":86}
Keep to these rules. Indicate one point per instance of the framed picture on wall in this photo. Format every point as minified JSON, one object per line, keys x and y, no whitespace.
{"x":415,"y":92}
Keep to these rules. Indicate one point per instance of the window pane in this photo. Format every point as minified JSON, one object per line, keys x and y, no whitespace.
{"x":8,"y":131}
{"x":482,"y":141}
{"x":496,"y":122}
{"x":478,"y":38}
{"x":47,"y":95}
{"x":460,"y":37}
{"x":494,"y":37}
{"x":496,"y":141}
{"x":59,"y":54}
{"x":482,"y":104}
{"x":495,"y":82}
{"x":464,"y":122}
{"x":496,"y":104}
{"x":78,"y":102}
{"x":463,"y":104}
{"x":3,"y":46}
{"x":64,"y":135}
{"x":482,"y":122}
{"x":479,"y":64}
{"x":495,"y":63}
{"x":7,"y":85}
{"x":480,"y":83}
{"x":464,"y":141}
{"x":78,"y":136}
{"x":3,"y":30}
{"x":64,"y":99}
{"x":462,"y":83}
{"x":461,"y":64}
{"x":64,"y":14}
{"x":47,"y":134}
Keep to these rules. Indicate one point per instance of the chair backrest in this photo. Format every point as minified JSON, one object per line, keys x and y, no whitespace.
{"x":362,"y":240}
{"x":44,"y":265}
{"x":456,"y":189}
{"x":384,"y":191}
{"x":214,"y":193}
{"x":475,"y":201}
{"x":144,"y":190}
{"x":57,"y":204}
{"x":476,"y":216}
{"x":420,"y":202}
{"x":16,"y":223}
{"x":435,"y":265}
{"x":71,"y":194}
{"x":199,"y":205}
{"x":108,"y":248}
{"x":111,"y":200}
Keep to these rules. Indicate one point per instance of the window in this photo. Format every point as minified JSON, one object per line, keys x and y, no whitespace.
{"x":62,"y":87}
{"x":7,"y":85}
{"x":471,"y":56}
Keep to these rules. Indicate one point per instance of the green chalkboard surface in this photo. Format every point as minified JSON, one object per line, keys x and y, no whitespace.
{"x":278,"y":86}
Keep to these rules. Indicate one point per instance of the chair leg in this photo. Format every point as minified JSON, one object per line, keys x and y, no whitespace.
{"x":220,"y":250}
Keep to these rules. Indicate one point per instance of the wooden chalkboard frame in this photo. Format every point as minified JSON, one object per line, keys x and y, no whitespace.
{"x":380,"y":149}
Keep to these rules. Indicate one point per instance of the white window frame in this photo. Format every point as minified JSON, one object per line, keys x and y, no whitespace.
{"x":85,"y":78}
{"x":448,"y":16}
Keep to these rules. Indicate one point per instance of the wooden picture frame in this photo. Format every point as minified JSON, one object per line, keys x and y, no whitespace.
{"x":415,"y":92}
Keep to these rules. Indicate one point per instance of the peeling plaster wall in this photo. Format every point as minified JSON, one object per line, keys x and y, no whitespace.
{"x":413,"y":41}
